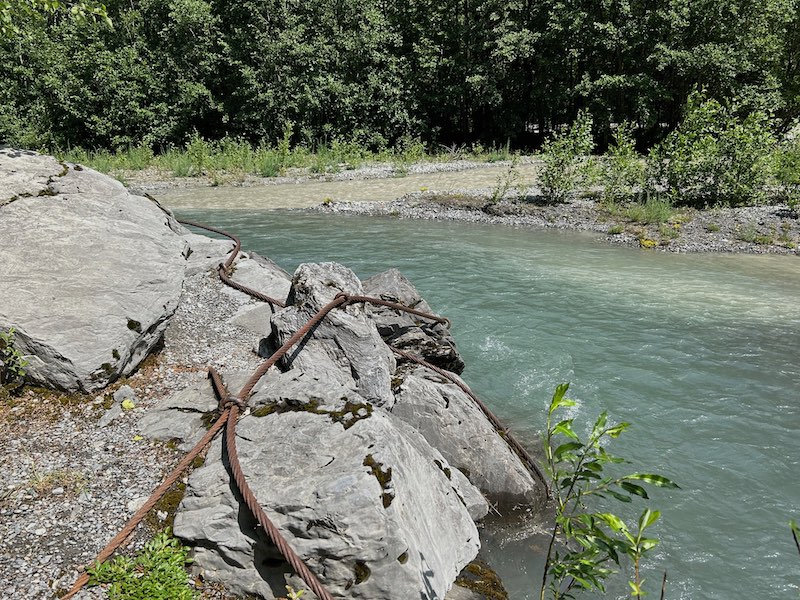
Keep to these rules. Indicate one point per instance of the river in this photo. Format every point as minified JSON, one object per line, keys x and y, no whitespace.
{"x":698,"y":351}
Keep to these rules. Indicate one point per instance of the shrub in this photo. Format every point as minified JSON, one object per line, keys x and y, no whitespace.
{"x":624,"y":172}
{"x":584,"y":544}
{"x":714,"y":156}
{"x":787,"y":172}
{"x":566,"y":158}
{"x":12,"y":362}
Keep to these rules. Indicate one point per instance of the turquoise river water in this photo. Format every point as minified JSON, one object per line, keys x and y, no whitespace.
{"x":701,"y":353}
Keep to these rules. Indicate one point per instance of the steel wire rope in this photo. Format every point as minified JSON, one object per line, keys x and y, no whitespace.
{"x":157,"y":494}
{"x":224,"y":268}
{"x":230,"y":405}
{"x":498,"y":425}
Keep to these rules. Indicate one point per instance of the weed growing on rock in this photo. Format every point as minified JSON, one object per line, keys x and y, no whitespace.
{"x":12,"y":362}
{"x":157,"y":573}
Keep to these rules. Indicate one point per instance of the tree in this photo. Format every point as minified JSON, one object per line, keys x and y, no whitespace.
{"x":15,"y":12}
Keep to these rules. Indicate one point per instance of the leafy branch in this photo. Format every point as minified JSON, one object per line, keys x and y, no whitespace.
{"x":584,"y":545}
{"x":12,"y":362}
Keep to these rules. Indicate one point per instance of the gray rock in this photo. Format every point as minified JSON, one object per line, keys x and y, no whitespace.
{"x":111,"y":414}
{"x":262,"y":275}
{"x":180,"y":417}
{"x":24,"y":173}
{"x":125,"y":393}
{"x":365,"y":506}
{"x":460,"y":593}
{"x":429,"y":340}
{"x":452,"y":423}
{"x":255,"y":319}
{"x":346,"y":346}
{"x":93,"y":274}
{"x":204,"y":253}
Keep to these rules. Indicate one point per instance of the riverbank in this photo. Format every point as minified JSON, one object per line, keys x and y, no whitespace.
{"x":752,"y":229}
{"x":503,"y":193}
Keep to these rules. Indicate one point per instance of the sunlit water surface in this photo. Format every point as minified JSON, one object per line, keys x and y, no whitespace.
{"x":699,"y":352}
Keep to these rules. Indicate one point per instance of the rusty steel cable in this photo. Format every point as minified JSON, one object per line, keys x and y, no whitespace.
{"x":397,"y":306}
{"x":159,"y":492}
{"x":504,"y":432}
{"x":224,"y":268}
{"x":230,"y":406}
{"x":250,"y":499}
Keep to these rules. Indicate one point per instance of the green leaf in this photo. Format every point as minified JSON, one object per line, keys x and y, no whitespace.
{"x":647,"y":544}
{"x":648,"y":518}
{"x":656,"y":480}
{"x":613,"y":521}
{"x":565,"y":448}
{"x":565,"y":428}
{"x":600,"y":423}
{"x":558,"y":398}
{"x":620,"y":497}
{"x":632,"y":488}
{"x":615,"y":431}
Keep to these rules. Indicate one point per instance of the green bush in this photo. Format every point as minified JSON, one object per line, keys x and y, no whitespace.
{"x":715,"y":156}
{"x":787,"y":172}
{"x":157,"y":573}
{"x":584,"y":544}
{"x":12,"y":362}
{"x":624,"y":172}
{"x":566,"y":157}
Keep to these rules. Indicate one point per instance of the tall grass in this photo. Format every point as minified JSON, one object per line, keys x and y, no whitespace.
{"x":237,"y":157}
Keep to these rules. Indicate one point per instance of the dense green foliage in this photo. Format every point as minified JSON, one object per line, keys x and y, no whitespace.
{"x":156,"y":573}
{"x":585,"y":544}
{"x":566,"y":156}
{"x":715,"y":155}
{"x":384,"y":73}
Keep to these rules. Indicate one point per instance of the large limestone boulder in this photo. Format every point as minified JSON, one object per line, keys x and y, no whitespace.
{"x":89,"y":274}
{"x":374,"y":510}
{"x":429,"y":340}
{"x":366,"y":503}
{"x":452,"y":423}
{"x":346,"y":345}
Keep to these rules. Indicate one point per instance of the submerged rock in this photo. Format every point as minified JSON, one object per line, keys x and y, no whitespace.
{"x":92,"y":276}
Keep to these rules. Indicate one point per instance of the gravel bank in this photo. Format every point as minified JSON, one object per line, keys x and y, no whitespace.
{"x":753,"y":229}
{"x":74,"y":468}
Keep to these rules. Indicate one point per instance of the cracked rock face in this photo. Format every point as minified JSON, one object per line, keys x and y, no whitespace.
{"x":92,"y":275}
{"x":453,"y":424}
{"x":373,"y":509}
{"x":346,"y":345}
{"x":369,"y":509}
{"x":428,"y":340}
